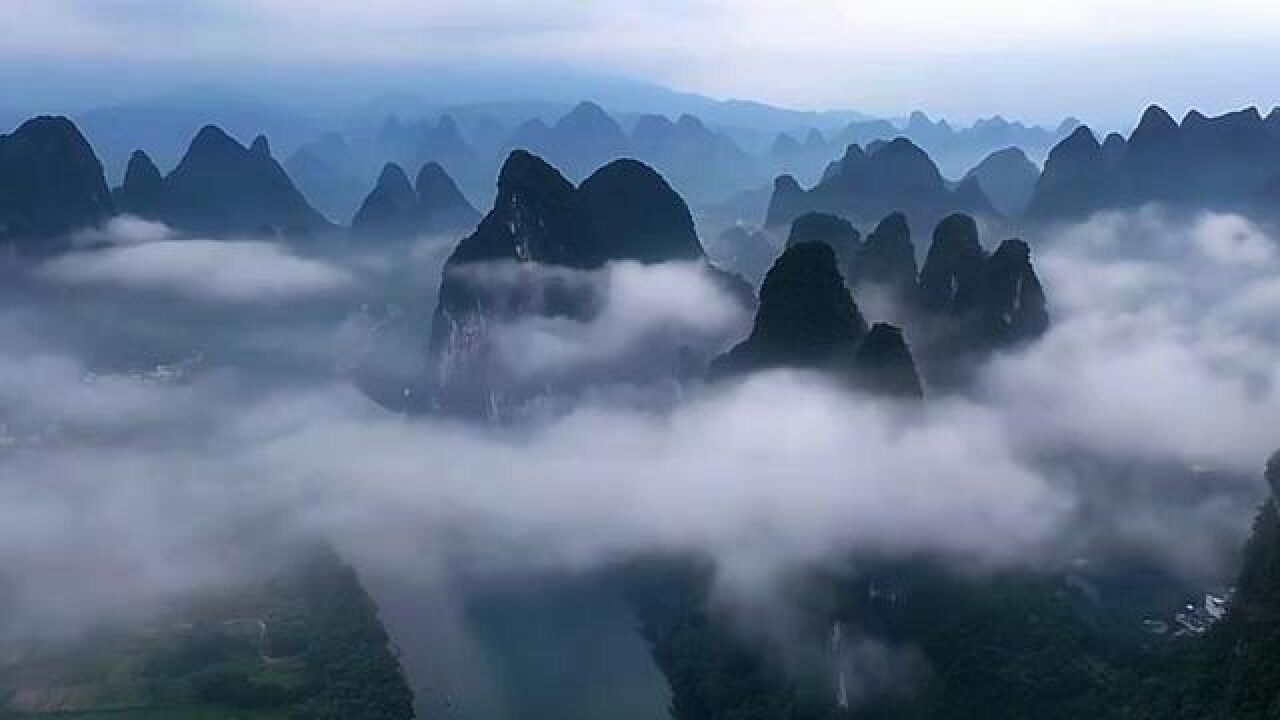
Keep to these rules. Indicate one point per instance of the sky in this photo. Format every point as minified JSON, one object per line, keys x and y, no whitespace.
{"x":1098,"y":59}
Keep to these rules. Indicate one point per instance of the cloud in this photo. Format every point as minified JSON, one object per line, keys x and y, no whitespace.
{"x":660,"y":306}
{"x":205,"y":270}
{"x":1078,"y":445}
{"x":1160,"y":344}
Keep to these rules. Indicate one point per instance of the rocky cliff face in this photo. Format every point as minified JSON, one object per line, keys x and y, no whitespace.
{"x":953,"y":269}
{"x":525,"y":260}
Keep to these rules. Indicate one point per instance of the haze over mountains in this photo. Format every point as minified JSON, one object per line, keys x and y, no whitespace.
{"x":889,"y":441}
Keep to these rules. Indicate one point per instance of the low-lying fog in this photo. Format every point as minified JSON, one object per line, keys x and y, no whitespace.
{"x":162,"y":399}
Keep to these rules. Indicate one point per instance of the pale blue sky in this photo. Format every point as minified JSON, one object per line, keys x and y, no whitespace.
{"x":1101,"y":59}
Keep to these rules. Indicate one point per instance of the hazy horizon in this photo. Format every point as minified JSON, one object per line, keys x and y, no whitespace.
{"x":1102,"y":62}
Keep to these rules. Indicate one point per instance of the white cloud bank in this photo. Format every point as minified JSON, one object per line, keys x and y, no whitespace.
{"x":142,"y":256}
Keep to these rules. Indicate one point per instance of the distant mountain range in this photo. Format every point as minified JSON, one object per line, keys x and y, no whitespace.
{"x":1226,"y":162}
{"x":709,"y":149}
{"x":220,"y":186}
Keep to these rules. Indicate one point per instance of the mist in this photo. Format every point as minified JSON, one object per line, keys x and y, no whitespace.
{"x":170,"y":406}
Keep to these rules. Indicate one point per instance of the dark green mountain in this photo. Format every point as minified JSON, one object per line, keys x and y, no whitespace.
{"x":887,"y":259}
{"x":806,"y":319}
{"x":954,"y":268}
{"x":883,"y":364}
{"x":51,"y":184}
{"x":636,"y":213}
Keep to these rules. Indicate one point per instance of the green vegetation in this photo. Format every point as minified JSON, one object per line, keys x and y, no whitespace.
{"x":1006,"y":645}
{"x":1233,"y":672}
{"x":309,"y":645}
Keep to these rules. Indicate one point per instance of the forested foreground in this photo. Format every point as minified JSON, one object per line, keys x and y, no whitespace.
{"x":1011,"y":646}
{"x":308,"y":644}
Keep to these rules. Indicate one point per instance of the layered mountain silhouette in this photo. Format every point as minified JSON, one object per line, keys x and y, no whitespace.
{"x":1220,"y":162}
{"x":883,"y":364}
{"x":142,"y":192}
{"x":414,"y":144}
{"x":864,"y":186}
{"x":963,"y":304}
{"x":1007,"y":178}
{"x":748,"y":253}
{"x":633,"y":209}
{"x":51,"y":183}
{"x":581,"y":141}
{"x":328,"y":174}
{"x":690,"y":155}
{"x":525,"y":257}
{"x":397,"y":209}
{"x":887,"y":260}
{"x":807,"y":319}
{"x":447,"y":208}
{"x":830,"y":229}
{"x":220,"y":187}
{"x":954,"y":149}
{"x":695,"y":158}
{"x":392,"y":209}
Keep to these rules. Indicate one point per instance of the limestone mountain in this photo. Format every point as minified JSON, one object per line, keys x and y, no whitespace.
{"x":142,"y":192}
{"x":806,"y":319}
{"x":51,"y":183}
{"x":579,"y":142}
{"x":392,"y":209}
{"x":694,"y":158}
{"x":524,"y":260}
{"x":444,"y":203}
{"x":639,"y":216}
{"x":329,"y":174}
{"x":787,"y":202}
{"x":1007,"y":178}
{"x":887,"y":259}
{"x":748,"y":253}
{"x":954,"y":268}
{"x":883,"y":364}
{"x":1077,"y":180}
{"x":220,"y":187}
{"x":830,"y":229}
{"x":867,"y":185}
{"x":1012,"y":300}
{"x":1200,"y":163}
